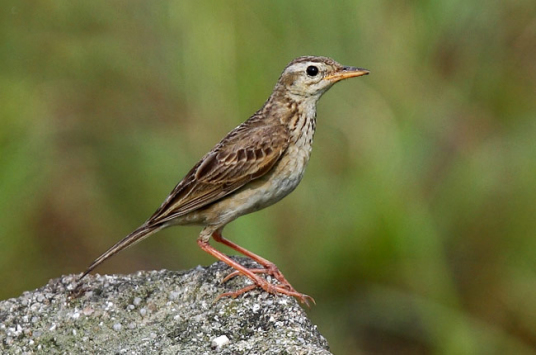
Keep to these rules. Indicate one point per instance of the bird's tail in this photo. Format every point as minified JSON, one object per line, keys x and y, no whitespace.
{"x":138,"y":235}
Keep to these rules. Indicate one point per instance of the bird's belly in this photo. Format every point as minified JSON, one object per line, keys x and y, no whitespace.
{"x":288,"y":173}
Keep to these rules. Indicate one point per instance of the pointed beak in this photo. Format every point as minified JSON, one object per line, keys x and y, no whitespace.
{"x":345,"y":73}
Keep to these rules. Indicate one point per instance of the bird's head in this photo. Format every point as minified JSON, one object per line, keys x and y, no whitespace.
{"x":312,"y":76}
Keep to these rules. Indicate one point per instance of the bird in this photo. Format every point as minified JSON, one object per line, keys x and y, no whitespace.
{"x":254,"y":166}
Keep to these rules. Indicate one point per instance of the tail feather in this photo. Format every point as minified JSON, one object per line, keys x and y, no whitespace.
{"x":134,"y":237}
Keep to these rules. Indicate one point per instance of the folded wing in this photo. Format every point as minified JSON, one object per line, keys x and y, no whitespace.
{"x":234,"y":162}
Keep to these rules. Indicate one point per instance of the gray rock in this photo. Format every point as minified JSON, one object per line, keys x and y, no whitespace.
{"x":162,"y":312}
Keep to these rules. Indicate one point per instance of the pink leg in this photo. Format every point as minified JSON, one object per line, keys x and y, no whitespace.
{"x":269,"y":267}
{"x":257,"y":280}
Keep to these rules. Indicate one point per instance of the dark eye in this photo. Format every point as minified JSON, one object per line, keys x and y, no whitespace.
{"x":312,"y":70}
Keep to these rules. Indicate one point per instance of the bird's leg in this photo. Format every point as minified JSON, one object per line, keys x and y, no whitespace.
{"x":269,"y":267}
{"x":257,"y":280}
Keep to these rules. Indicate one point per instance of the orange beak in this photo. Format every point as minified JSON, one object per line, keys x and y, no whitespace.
{"x":345,"y":73}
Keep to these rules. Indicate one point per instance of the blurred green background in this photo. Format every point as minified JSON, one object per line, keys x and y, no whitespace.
{"x":414,"y":227}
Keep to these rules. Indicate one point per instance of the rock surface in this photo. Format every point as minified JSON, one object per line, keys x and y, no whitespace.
{"x":162,"y":312}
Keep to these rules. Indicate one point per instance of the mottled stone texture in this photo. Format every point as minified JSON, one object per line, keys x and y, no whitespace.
{"x":161,"y":312}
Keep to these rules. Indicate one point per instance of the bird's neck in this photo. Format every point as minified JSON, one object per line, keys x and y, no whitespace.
{"x":283,"y":106}
{"x":298,"y":113}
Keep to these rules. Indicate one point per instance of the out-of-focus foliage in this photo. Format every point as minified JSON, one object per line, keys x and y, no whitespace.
{"x":415,"y":225}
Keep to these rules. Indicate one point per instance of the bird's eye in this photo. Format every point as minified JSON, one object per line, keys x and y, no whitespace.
{"x":311,"y":70}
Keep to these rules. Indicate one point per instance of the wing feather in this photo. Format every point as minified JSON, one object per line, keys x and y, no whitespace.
{"x":245,"y":154}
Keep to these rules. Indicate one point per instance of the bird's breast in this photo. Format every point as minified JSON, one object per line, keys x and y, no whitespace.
{"x":289,"y":171}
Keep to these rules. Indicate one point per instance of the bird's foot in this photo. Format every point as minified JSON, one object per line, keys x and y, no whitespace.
{"x":271,"y":269}
{"x":252,"y":274}
{"x":270,"y":288}
{"x":268,"y":269}
{"x":277,"y":275}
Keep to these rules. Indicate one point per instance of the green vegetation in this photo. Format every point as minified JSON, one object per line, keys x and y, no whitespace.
{"x":414,"y":228}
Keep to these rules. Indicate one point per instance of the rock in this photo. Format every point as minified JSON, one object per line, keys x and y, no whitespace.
{"x":162,"y":312}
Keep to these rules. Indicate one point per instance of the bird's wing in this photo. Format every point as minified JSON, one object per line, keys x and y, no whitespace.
{"x":245,"y":154}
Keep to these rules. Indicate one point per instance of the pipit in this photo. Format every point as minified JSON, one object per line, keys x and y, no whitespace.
{"x":254,"y":166}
